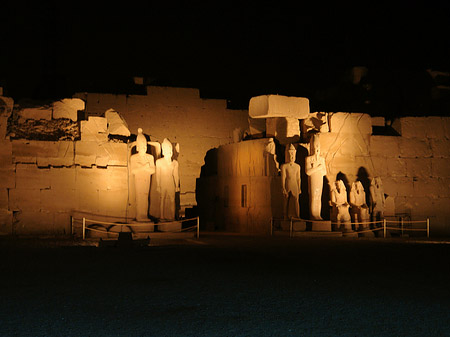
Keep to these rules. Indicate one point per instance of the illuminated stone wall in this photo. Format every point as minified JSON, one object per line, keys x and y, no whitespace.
{"x":180,"y":115}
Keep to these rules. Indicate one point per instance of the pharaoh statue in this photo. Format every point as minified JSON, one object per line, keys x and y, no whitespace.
{"x":359,"y":210}
{"x":315,"y":169}
{"x":377,"y":198}
{"x":340,"y":213}
{"x":142,"y":167}
{"x":290,"y":182}
{"x":167,"y":181}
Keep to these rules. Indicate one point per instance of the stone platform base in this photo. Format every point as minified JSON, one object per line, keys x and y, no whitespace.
{"x":319,"y":225}
{"x":173,"y":226}
{"x":297,"y":225}
{"x":311,"y":234}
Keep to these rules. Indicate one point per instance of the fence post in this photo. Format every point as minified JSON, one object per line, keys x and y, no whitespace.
{"x":198,"y":227}
{"x":84,"y":228}
{"x":428,"y":227}
{"x":384,"y":225}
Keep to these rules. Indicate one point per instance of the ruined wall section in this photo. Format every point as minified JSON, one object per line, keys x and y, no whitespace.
{"x":44,"y":182}
{"x":414,"y":166}
{"x":180,"y":115}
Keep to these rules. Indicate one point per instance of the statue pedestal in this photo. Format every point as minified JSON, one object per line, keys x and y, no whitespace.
{"x":320,"y":225}
{"x":172,"y":226}
{"x":142,"y":227}
{"x":297,"y":225}
{"x":347,"y":230}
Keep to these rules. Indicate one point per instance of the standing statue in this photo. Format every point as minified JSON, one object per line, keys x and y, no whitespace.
{"x":315,"y":169}
{"x":360,"y":210}
{"x":142,"y":167}
{"x":167,"y":181}
{"x":340,"y":205}
{"x":290,"y":182}
{"x":377,"y":199}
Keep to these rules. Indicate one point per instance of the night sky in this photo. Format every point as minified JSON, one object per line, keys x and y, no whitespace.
{"x":230,"y":50}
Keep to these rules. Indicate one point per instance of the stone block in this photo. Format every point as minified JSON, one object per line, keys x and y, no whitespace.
{"x":378,"y":121}
{"x":115,"y":154}
{"x":267,"y":106}
{"x":440,"y":147}
{"x":421,"y":127}
{"x":95,"y":125}
{"x":398,"y":186}
{"x":101,"y":154}
{"x":380,"y":166}
{"x":440,"y":167}
{"x":386,"y":146}
{"x":170,"y":226}
{"x":68,"y":108}
{"x":62,"y":178}
{"x":88,"y":199}
{"x":418,"y":167}
{"x":85,"y":153}
{"x":428,"y":187}
{"x":31,"y":177}
{"x":4,"y":198}
{"x":5,"y":153}
{"x":414,"y":148}
{"x":6,"y":220}
{"x":91,"y":178}
{"x":21,"y":199}
{"x":285,"y":130}
{"x":63,"y":155}
{"x":257,"y":126}
{"x":38,"y":113}
{"x":117,"y":178}
{"x":3,"y":127}
{"x":113,"y":202}
{"x":316,"y":122}
{"x":8,"y":176}
{"x":58,"y":200}
{"x":396,"y":167}
{"x":6,"y":106}
{"x":320,"y":225}
{"x":356,"y":123}
{"x":34,"y":223}
{"x":116,"y":124}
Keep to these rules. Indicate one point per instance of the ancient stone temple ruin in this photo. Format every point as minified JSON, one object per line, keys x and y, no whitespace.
{"x":171,"y":154}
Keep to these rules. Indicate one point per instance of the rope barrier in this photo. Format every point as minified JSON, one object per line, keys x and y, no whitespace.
{"x":407,"y":229}
{"x":406,"y":222}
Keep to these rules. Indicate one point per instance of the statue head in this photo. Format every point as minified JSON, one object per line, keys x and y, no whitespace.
{"x":340,"y":186}
{"x":141,"y":142}
{"x":167,"y":150}
{"x":315,"y":144}
{"x":292,"y":152}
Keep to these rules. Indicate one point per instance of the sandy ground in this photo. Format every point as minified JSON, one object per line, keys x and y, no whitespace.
{"x":226,"y":286}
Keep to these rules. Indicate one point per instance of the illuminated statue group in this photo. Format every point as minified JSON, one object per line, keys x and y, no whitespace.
{"x":164,"y":174}
{"x":342,"y":210}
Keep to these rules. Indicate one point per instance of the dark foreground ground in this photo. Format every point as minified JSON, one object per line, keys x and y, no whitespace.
{"x":226,"y":286}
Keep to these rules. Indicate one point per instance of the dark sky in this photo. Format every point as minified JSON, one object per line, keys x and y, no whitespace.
{"x":227,"y":49}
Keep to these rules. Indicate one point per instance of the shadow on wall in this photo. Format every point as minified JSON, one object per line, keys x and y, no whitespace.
{"x":343,"y":177}
{"x":326,"y":207}
{"x":363,"y":177}
{"x":302,"y":153}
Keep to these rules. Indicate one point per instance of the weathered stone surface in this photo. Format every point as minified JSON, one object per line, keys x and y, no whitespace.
{"x":418,"y":167}
{"x":68,"y":108}
{"x":7,"y":176}
{"x":5,"y":153}
{"x":6,"y":218}
{"x":6,"y":106}
{"x":116,"y":124}
{"x":378,"y":121}
{"x":58,"y":200}
{"x":396,"y":167}
{"x":3,"y":198}
{"x":94,"y":129}
{"x":62,"y":179}
{"x":24,"y":199}
{"x":343,"y":122}
{"x":3,"y":126}
{"x":414,"y":148}
{"x":420,"y":127}
{"x":100,"y":154}
{"x":398,"y":186}
{"x":440,"y":167}
{"x":113,"y":202}
{"x":267,"y":106}
{"x":285,"y":130}
{"x":36,"y":113}
{"x":440,"y":147}
{"x":30,"y":176}
{"x":64,"y":155}
{"x":380,"y":166}
{"x":316,"y":122}
{"x":431,"y":187}
{"x":257,"y":126}
{"x":34,"y":223}
{"x":385,"y":146}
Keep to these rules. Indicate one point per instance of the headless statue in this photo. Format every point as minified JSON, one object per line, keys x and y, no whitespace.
{"x":360,"y":210}
{"x":167,"y":181}
{"x":377,"y":198}
{"x":142,"y":167}
{"x":290,"y":182}
{"x":315,"y":169}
